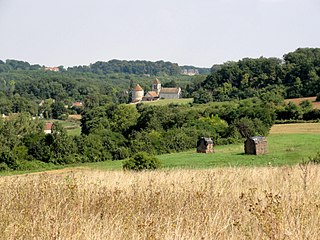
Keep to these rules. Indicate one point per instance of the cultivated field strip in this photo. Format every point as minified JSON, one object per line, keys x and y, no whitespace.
{"x":313,"y":128}
{"x":229,"y":203}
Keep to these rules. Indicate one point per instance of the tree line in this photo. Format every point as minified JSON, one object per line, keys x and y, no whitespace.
{"x":296,"y":75}
{"x":112,"y":131}
{"x":130,"y":67}
{"x":118,"y":131}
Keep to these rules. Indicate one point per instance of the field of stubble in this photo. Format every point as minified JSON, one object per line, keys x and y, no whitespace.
{"x":228,"y":203}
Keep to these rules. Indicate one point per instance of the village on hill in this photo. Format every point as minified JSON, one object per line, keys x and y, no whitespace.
{"x":157,"y":92}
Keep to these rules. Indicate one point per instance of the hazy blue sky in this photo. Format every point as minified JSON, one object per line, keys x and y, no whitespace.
{"x":196,"y":32}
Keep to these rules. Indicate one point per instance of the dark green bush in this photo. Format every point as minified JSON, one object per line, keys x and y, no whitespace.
{"x":313,"y":114}
{"x":121,"y":153}
{"x":141,"y":161}
{"x":9,"y":159}
{"x":315,"y":159}
{"x":35,"y":164}
{"x":4,"y":167}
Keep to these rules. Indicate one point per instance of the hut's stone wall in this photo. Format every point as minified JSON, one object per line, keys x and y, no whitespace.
{"x":256,"y":145}
{"x":205,"y":145}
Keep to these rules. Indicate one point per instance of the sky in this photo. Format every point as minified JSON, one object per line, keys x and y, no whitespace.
{"x":187,"y":32}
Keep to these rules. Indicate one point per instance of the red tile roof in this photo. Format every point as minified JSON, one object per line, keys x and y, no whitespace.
{"x":54,"y":69}
{"x":77,"y":104}
{"x":48,"y":126}
{"x":152,"y":94}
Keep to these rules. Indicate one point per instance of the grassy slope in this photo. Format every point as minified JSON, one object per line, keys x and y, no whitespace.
{"x":162,"y":102}
{"x":284,"y":149}
{"x":71,"y":126}
{"x":296,"y":128}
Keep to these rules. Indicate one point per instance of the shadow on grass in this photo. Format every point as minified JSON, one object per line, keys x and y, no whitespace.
{"x":241,"y":154}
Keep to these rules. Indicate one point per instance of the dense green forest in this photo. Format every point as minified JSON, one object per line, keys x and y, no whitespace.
{"x":296,"y":75}
{"x":130,"y":67}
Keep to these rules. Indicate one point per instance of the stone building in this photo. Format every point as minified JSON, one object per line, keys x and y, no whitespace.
{"x":151,"y":96}
{"x":156,"y":93}
{"x":137,"y":93}
{"x":170,"y":93}
{"x":156,"y":86}
{"x":256,"y":145}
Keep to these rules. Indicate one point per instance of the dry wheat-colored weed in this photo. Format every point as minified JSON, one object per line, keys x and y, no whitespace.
{"x":229,"y":203}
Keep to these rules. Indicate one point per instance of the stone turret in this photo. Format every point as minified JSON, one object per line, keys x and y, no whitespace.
{"x":137,"y":93}
{"x":156,"y":86}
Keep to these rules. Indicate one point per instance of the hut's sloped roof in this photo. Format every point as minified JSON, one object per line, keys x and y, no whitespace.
{"x":258,"y":139}
{"x":206,"y":140}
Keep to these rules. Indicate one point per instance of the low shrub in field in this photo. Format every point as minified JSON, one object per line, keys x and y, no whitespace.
{"x":4,"y":167}
{"x":8,"y":159}
{"x":35,"y":164}
{"x":315,"y":159}
{"x":141,"y":161}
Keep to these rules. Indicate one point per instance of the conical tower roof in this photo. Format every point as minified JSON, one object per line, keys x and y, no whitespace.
{"x":156,"y":81}
{"x":138,"y":88}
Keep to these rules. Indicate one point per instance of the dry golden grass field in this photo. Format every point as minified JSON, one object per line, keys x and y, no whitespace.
{"x":229,"y":203}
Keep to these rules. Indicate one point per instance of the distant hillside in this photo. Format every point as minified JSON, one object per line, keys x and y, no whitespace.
{"x":139,"y":67}
{"x":23,"y":86}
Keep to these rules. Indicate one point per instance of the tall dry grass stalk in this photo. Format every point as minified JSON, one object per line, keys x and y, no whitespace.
{"x":237,"y":203}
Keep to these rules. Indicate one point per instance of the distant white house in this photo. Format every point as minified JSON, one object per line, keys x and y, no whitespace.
{"x":190,"y":72}
{"x":53,"y":69}
{"x":170,"y":93}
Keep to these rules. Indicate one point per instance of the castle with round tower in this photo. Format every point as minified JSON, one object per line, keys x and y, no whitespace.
{"x":157,"y":92}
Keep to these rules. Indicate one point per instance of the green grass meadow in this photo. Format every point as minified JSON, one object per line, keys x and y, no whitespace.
{"x":284,"y":149}
{"x":72,"y":127}
{"x":288,"y":149}
{"x":163,"y":102}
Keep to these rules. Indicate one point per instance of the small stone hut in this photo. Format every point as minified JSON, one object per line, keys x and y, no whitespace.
{"x":256,"y":145}
{"x":205,"y":145}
